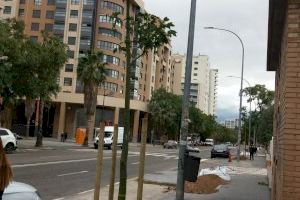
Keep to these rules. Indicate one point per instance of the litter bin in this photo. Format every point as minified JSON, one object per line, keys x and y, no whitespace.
{"x":191,"y":167}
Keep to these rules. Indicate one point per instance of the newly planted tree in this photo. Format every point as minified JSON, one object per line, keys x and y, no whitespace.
{"x":91,"y":72}
{"x":146,"y":32}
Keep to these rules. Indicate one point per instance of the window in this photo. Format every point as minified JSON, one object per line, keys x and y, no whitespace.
{"x":22,"y":1}
{"x":112,"y":20}
{"x":196,"y":68}
{"x":112,"y":6}
{"x":88,"y":2}
{"x":69,"y":68}
{"x":60,"y":12}
{"x":34,"y":38}
{"x":71,"y":40}
{"x":75,"y":2}
{"x":112,"y":73}
{"x":49,"y":14}
{"x":196,"y":63}
{"x":21,"y":12}
{"x":71,"y":54}
{"x":3,"y":132}
{"x":107,"y":45}
{"x":111,"y":59}
{"x":7,"y":10}
{"x":37,"y":2}
{"x":74,"y":13}
{"x":67,"y":81}
{"x":152,"y":79}
{"x":72,"y":27}
{"x":87,"y":14}
{"x":49,"y":27}
{"x":59,"y":25}
{"x":35,"y":26}
{"x":36,"y":13}
{"x":110,"y":33}
{"x":109,"y":86}
{"x":51,"y":2}
{"x":195,"y":74}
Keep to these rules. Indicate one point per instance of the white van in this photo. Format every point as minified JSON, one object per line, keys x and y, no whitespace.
{"x":108,"y":137}
{"x":209,"y":142}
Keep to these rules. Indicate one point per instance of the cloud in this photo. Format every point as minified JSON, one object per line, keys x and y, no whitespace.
{"x":245,"y":18}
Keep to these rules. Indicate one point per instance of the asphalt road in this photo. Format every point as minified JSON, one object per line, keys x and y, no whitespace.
{"x":65,"y":171}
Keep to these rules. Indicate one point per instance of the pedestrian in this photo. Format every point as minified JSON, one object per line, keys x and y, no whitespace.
{"x":5,"y":171}
{"x":65,"y":136}
{"x":62,"y":137}
{"x":251,"y":151}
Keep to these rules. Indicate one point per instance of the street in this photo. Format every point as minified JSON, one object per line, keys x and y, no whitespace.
{"x":59,"y":172}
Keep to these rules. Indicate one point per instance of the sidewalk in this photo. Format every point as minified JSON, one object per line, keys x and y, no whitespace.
{"x":248,"y":182}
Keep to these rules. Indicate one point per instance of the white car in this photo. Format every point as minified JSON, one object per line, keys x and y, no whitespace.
{"x":20,"y":191}
{"x":9,"y":141}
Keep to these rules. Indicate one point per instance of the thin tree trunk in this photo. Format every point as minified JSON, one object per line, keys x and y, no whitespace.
{"x":113,"y":163}
{"x":39,"y":136}
{"x":142,"y":159}
{"x":99,"y":162}
{"x":89,"y":129}
{"x":124,"y":155}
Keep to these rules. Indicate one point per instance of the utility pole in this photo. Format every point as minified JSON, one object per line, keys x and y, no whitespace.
{"x":185,"y":104}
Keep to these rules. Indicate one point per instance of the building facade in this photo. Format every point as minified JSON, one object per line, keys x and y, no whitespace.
{"x":86,"y":24}
{"x":284,"y":59}
{"x":203,"y":82}
{"x":231,"y":123}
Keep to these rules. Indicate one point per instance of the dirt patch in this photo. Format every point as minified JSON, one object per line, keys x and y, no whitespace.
{"x":242,"y":157}
{"x":206,"y":184}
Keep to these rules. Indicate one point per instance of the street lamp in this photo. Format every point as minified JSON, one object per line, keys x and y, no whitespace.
{"x":241,"y":96}
{"x":249,"y":136}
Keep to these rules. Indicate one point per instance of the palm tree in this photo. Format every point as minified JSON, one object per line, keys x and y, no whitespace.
{"x":91,"y":72}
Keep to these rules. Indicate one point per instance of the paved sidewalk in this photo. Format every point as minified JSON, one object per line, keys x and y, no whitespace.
{"x":248,"y":182}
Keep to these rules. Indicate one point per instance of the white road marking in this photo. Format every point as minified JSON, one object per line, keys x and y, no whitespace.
{"x":59,"y":198}
{"x":86,"y":191}
{"x":203,"y":160}
{"x":135,"y":163}
{"x":73,"y":173}
{"x":59,"y":162}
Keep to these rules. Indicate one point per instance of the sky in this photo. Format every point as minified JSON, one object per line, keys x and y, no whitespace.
{"x":249,"y":19}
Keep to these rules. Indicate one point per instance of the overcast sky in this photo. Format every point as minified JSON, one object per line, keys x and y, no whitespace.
{"x":249,"y":19}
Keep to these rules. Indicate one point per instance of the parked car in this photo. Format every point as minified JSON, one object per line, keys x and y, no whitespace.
{"x":20,"y":191}
{"x":192,"y":149}
{"x":108,"y":137}
{"x":209,"y":142}
{"x":171,"y":144}
{"x":220,"y":150}
{"x":9,"y":141}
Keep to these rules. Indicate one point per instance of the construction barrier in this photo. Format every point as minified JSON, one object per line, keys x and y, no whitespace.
{"x":80,"y":135}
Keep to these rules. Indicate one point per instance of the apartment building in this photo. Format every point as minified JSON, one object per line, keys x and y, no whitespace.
{"x":9,"y":9}
{"x":212,"y":94}
{"x":203,"y":82}
{"x":85,"y":24}
{"x":231,"y":123}
{"x":284,"y":59}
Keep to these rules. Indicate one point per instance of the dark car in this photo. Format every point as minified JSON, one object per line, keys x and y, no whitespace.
{"x":220,"y":150}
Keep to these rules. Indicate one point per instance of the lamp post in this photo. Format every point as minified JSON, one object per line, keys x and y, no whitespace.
{"x":110,"y":93}
{"x":249,"y":136}
{"x":241,"y":96}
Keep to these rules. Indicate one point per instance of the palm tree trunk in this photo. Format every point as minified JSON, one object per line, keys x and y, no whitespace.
{"x":29,"y":109}
{"x":39,"y":136}
{"x":89,"y":129}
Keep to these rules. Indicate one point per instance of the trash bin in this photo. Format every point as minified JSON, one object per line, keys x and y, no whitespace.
{"x":191,"y":167}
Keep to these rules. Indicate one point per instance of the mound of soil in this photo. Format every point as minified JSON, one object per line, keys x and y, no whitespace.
{"x":206,"y":184}
{"x":242,"y":157}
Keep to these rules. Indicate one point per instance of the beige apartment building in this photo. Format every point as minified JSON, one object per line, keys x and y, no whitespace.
{"x":83,"y":24}
{"x":203,"y":91}
{"x":284,"y":59}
